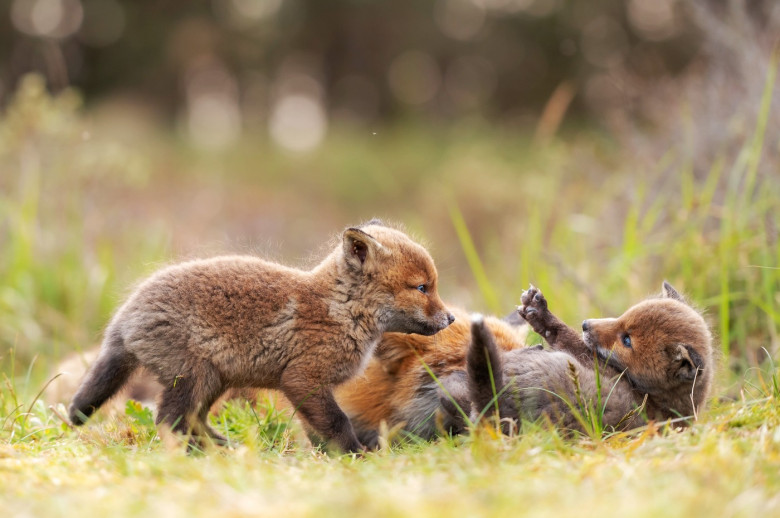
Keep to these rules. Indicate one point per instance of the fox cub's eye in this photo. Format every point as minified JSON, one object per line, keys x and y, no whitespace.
{"x":627,"y":341}
{"x":422,"y":289}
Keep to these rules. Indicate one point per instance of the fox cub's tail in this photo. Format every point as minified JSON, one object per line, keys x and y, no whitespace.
{"x":486,"y":375}
{"x":111,"y":370}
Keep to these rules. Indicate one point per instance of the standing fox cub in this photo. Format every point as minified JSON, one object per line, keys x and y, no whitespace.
{"x":206,"y":326}
{"x":660,"y":349}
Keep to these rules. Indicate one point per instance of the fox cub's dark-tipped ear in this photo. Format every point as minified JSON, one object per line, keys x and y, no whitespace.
{"x":668,"y":292}
{"x":361,"y":249}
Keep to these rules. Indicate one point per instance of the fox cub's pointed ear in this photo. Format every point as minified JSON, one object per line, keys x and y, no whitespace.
{"x":686,"y":362}
{"x":668,"y":292}
{"x":360,"y":249}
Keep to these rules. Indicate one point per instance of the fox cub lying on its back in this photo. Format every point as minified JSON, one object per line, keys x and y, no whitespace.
{"x":206,"y":326}
{"x":662,"y":344}
{"x":654,"y":362}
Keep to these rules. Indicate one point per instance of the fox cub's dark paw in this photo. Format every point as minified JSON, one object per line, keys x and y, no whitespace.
{"x":534,"y":303}
{"x":369,"y":440}
{"x":534,"y":309}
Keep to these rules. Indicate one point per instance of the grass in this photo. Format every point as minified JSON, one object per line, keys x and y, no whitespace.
{"x":726,"y":466}
{"x":91,"y":207}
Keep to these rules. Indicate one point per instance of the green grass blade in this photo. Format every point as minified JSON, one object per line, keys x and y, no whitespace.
{"x":475,"y":263}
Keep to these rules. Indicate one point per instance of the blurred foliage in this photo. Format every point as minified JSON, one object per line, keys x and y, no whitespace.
{"x":92,"y":199}
{"x":54,"y":268}
{"x":86,"y":214}
{"x":369,"y":59}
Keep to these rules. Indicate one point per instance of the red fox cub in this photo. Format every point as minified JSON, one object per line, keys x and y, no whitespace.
{"x":660,"y":349}
{"x":397,"y":386}
{"x":205,"y":326}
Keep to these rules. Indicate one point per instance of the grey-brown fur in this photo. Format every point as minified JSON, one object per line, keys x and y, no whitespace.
{"x":541,"y":382}
{"x":205,"y":326}
{"x":668,"y":367}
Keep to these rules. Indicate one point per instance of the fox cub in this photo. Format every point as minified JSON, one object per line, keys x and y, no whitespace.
{"x":654,"y":362}
{"x":397,"y":387}
{"x":205,"y":326}
{"x":660,"y":348}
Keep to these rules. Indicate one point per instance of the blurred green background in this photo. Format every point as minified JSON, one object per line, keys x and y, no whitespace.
{"x":592,"y":148}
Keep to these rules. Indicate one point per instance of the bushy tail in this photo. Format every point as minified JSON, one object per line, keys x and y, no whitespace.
{"x":104,"y":379}
{"x":485,"y":372}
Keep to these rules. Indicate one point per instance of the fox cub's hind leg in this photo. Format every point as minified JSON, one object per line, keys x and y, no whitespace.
{"x":327,"y":420}
{"x":560,"y":336}
{"x":185,"y":404}
{"x":319,"y":409}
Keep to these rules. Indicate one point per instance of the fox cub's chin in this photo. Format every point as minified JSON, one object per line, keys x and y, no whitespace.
{"x":410,"y":325}
{"x":426,"y":329}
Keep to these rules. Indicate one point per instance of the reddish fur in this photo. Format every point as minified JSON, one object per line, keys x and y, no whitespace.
{"x":672,"y":345}
{"x":390,"y":388}
{"x":384,"y":391}
{"x":396,"y":378}
{"x":208,"y":326}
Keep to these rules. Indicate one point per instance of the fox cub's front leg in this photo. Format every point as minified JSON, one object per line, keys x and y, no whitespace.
{"x":560,"y":336}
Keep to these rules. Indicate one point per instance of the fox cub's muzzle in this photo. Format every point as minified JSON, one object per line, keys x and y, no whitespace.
{"x":420,"y":325}
{"x":444,"y":319}
{"x":440,"y":321}
{"x":597,"y":333}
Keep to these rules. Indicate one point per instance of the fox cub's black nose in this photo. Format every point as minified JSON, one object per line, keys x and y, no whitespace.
{"x":585,"y":325}
{"x":450,"y":318}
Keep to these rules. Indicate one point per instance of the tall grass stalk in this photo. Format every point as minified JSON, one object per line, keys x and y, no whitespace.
{"x":475,"y":263}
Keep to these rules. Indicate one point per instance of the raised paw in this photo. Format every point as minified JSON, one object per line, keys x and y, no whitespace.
{"x":533,"y":301}
{"x":534,"y":309}
{"x":557,"y":334}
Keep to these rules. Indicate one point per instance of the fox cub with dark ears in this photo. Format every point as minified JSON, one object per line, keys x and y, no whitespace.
{"x":205,"y":326}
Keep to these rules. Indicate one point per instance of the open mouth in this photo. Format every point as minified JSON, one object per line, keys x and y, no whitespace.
{"x":589,"y":342}
{"x":606,"y":355}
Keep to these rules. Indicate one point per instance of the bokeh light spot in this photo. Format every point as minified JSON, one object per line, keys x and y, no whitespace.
{"x":48,"y":18}
{"x":213,"y":113}
{"x":653,"y":21}
{"x":244,"y":14}
{"x":298,"y":122}
{"x":459,"y":19}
